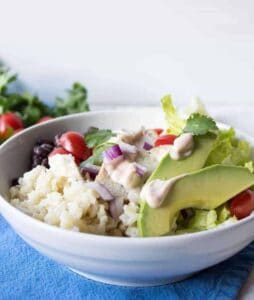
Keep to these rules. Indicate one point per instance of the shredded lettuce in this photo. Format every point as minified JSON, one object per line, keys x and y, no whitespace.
{"x":204,"y":219}
{"x":229,"y":150}
{"x":223,"y":213}
{"x":175,"y":123}
{"x":249,"y":165}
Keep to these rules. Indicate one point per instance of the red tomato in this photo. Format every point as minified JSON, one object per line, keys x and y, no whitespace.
{"x":74,"y":143}
{"x":44,"y":119}
{"x":61,"y":150}
{"x":58,"y":150}
{"x":9,"y":122}
{"x":158,"y":130}
{"x":243,"y":204}
{"x":167,"y":139}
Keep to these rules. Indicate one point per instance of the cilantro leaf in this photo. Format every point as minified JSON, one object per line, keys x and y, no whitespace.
{"x":198,"y":124}
{"x":97,"y":157}
{"x":75,"y":102}
{"x":96,"y":136}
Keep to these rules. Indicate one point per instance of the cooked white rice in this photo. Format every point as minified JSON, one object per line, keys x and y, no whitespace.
{"x":59,"y":196}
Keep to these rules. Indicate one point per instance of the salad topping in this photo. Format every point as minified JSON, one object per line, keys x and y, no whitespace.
{"x":188,"y":177}
{"x":155,"y":191}
{"x":182,"y":146}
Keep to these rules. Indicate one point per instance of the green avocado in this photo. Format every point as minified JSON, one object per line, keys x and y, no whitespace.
{"x":207,"y":188}
{"x":169,"y":168}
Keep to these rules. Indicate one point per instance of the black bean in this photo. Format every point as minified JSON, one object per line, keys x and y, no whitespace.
{"x":15,"y":181}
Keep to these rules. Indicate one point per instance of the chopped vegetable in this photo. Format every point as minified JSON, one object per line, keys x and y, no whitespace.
{"x":229,"y":150}
{"x":203,"y":219}
{"x":95,"y":136}
{"x":249,"y":165}
{"x":198,"y":124}
{"x":74,"y":143}
{"x":147,"y":146}
{"x":112,"y":153}
{"x":175,"y":123}
{"x":101,"y":190}
{"x":242,"y":205}
{"x":223,"y":213}
{"x":97,"y":156}
{"x":87,"y":168}
{"x":167,"y":139}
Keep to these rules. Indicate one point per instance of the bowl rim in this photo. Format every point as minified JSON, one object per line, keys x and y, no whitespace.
{"x":130,"y":240}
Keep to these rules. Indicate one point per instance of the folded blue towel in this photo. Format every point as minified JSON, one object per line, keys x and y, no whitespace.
{"x":25,"y":274}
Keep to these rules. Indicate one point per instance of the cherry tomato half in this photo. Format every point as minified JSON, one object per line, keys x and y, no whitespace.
{"x":62,"y":151}
{"x":243,"y":204}
{"x":74,"y":143}
{"x":167,"y":139}
{"x":9,"y":122}
{"x":44,"y":119}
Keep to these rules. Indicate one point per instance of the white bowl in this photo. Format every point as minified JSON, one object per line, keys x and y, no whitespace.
{"x":116,"y":260}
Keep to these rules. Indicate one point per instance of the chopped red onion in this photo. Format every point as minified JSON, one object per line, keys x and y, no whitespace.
{"x":100,"y":189}
{"x":112,"y":152}
{"x":92,"y":170}
{"x":140,"y":170}
{"x":127,"y":148}
{"x":147,"y":146}
{"x":116,"y":208}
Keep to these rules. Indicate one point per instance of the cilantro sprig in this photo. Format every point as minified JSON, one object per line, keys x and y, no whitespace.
{"x":198,"y":124}
{"x":95,"y":136}
{"x":31,"y":108}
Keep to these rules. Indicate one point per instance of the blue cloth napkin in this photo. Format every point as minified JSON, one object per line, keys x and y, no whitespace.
{"x":26,"y":274}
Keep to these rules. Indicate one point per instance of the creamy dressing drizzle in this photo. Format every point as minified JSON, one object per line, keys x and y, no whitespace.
{"x":123,"y":172}
{"x":155,"y":192}
{"x":183,"y":146}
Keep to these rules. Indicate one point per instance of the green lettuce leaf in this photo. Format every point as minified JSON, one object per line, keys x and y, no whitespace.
{"x":229,"y":150}
{"x":175,"y":123}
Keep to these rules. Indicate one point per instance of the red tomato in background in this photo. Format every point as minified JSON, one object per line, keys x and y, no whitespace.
{"x":44,"y":119}
{"x":167,"y":139}
{"x":74,"y":143}
{"x":61,"y":150}
{"x":243,"y":204}
{"x":9,"y":122}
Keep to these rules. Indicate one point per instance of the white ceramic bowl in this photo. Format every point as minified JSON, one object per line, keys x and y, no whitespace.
{"x":117,"y":260}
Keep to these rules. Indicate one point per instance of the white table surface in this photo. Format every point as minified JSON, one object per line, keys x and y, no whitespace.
{"x":240,"y":117}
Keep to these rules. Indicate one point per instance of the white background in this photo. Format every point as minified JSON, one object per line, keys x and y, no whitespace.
{"x":135,"y":51}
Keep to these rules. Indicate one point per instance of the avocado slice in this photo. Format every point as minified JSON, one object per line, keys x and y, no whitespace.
{"x":207,"y":188}
{"x":169,"y":168}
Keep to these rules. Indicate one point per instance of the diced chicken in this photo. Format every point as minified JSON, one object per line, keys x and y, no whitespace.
{"x":132,"y":137}
{"x":114,"y":188}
